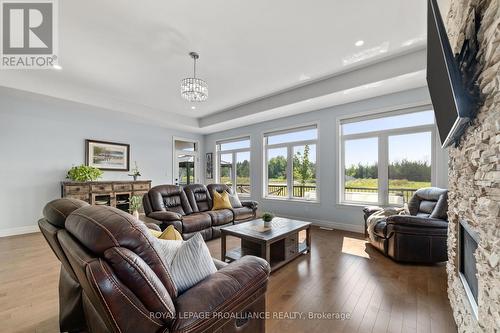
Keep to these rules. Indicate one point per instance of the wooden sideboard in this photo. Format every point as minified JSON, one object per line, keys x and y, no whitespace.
{"x":110,"y":193}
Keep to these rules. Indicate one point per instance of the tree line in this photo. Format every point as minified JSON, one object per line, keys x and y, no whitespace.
{"x":419,"y":171}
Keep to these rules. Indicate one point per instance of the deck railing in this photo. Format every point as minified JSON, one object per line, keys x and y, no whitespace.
{"x":281,"y":190}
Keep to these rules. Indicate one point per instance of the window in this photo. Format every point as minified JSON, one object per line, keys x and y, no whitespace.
{"x":234,"y":164}
{"x":290,"y":164}
{"x":386,"y":158}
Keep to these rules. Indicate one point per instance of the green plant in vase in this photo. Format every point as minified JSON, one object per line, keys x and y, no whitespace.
{"x":84,"y":173}
{"x":267,"y":218}
{"x":135,"y":204}
{"x":135,"y":172}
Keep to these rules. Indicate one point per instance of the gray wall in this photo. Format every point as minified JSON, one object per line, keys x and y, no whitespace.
{"x":327,"y":212}
{"x":42,"y":137}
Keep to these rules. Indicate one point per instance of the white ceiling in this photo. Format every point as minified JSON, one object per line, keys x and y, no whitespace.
{"x":131,"y":55}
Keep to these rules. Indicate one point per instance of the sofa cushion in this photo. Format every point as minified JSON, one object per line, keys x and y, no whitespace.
{"x":169,"y":198}
{"x":242,"y":213}
{"x":219,"y":293}
{"x":196,"y":222}
{"x":198,"y":197}
{"x":222,"y":216}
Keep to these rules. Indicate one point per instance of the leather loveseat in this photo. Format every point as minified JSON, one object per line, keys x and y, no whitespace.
{"x":118,"y":281}
{"x":188,"y":209}
{"x":419,"y":237}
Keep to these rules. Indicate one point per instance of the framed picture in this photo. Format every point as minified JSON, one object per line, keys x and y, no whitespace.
{"x":107,"y":155}
{"x":210,"y":166}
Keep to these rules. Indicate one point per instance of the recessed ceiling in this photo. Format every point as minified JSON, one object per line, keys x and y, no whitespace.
{"x":136,"y":52}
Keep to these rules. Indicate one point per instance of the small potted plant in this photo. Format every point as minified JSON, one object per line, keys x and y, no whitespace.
{"x":134,"y":205}
{"x":135,"y":172}
{"x":84,"y":173}
{"x":267,"y":218}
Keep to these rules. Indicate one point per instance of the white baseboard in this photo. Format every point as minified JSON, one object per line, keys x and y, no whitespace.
{"x":329,"y":224}
{"x":19,"y":230}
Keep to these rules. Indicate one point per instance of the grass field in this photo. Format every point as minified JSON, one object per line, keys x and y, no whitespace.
{"x":395,"y":183}
{"x":364,"y":183}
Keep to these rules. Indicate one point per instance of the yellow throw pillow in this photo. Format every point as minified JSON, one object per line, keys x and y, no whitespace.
{"x":155,"y":233}
{"x":221,"y":201}
{"x":170,"y":233}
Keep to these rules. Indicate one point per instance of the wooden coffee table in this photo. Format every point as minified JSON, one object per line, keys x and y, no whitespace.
{"x":278,"y":244}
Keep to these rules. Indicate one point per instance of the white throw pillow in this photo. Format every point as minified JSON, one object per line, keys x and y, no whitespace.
{"x":189,"y":261}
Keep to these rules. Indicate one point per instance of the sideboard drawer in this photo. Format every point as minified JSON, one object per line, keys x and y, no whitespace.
{"x":102,"y":188}
{"x":83,"y":197}
{"x":76,"y":189}
{"x":141,"y":187}
{"x":122,"y":187}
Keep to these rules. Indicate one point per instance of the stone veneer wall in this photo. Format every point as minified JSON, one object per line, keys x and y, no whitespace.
{"x":474,"y":174}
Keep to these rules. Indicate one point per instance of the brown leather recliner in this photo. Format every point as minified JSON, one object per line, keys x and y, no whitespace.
{"x":246,"y":212}
{"x":71,"y":316}
{"x":420,"y":237}
{"x":169,"y":205}
{"x":188,"y":209}
{"x":127,"y":287}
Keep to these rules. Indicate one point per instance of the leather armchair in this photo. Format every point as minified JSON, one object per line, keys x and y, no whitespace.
{"x":419,"y":237}
{"x":55,"y":213}
{"x":127,"y":287}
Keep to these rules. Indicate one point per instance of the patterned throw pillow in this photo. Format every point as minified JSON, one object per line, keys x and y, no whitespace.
{"x":189,"y":261}
{"x":235,"y":201}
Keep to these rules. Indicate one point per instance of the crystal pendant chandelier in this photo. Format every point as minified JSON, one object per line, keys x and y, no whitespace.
{"x":192,"y":88}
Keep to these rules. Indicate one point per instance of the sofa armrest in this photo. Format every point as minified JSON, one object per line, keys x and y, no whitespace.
{"x":250,"y":203}
{"x":222,"y":292}
{"x":165,"y":216}
{"x":416,"y":221}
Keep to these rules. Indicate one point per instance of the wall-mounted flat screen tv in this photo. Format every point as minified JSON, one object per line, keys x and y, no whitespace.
{"x":453,"y":106}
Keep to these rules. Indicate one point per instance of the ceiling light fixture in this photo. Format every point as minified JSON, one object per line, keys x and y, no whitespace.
{"x":193,"y":107}
{"x":359,"y":43}
{"x":192,"y":88}
{"x":58,"y":67}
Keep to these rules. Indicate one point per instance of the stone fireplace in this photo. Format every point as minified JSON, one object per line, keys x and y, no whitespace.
{"x":474,"y":174}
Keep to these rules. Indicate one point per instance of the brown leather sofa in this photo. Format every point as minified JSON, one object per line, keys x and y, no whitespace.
{"x":420,"y":237}
{"x":120,"y":283}
{"x":188,"y":209}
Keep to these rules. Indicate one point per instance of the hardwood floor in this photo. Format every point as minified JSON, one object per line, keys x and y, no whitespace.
{"x":342,"y":274}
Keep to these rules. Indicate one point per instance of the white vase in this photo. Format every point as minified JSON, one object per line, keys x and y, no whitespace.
{"x":136,"y":214}
{"x":268,"y":224}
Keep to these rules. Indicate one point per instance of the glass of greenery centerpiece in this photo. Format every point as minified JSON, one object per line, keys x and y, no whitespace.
{"x":135,"y":204}
{"x":84,"y":173}
{"x":267,"y":218}
{"x":135,"y":172}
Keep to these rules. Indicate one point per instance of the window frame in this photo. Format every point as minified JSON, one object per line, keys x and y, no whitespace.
{"x":383,"y":151}
{"x":289,"y":169}
{"x":234,"y":153}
